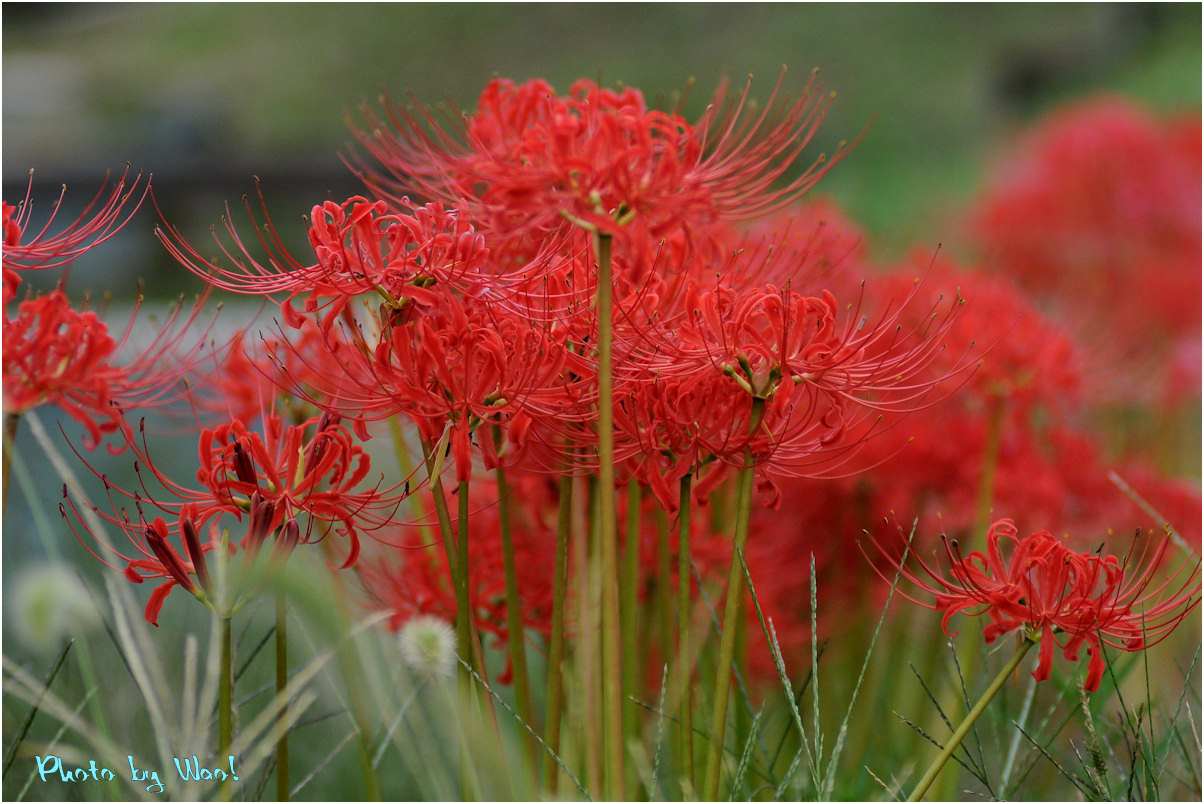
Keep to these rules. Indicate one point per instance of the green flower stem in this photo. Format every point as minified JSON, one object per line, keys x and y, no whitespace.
{"x":456,"y":549}
{"x":611,"y":669}
{"x":371,"y":787}
{"x":464,"y":630}
{"x":629,"y":614}
{"x":560,"y":583}
{"x":968,"y":723}
{"x":685,"y":668}
{"x":282,"y":781}
{"x":731,"y":617}
{"x":587,"y":649}
{"x":445,"y":527}
{"x":662,"y":605}
{"x":405,"y":464}
{"x":514,"y":615}
{"x":225,"y":699}
{"x":359,"y":710}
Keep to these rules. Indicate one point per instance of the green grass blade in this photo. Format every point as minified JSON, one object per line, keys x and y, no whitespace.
{"x":11,"y":754}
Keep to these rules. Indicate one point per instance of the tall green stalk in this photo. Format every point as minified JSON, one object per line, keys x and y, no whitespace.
{"x":685,"y":665}
{"x":462,"y":588}
{"x":612,"y":669}
{"x":560,"y":582}
{"x":587,"y":649}
{"x":455,"y":545}
{"x":629,"y":613}
{"x":968,"y":723}
{"x":731,"y":617}
{"x":514,"y":616}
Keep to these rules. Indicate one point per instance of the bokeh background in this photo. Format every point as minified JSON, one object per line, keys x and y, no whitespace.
{"x":206,"y":96}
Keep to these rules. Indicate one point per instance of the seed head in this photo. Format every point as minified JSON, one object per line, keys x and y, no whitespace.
{"x":428,"y":647}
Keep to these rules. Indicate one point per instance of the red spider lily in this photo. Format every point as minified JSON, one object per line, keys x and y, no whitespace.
{"x":453,"y":363}
{"x":101,"y":219}
{"x":1060,"y":597}
{"x":822,"y":381}
{"x":1090,"y":191}
{"x":812,"y":243}
{"x":156,"y":557}
{"x":315,"y":469}
{"x":54,"y":354}
{"x":1016,"y":416}
{"x":361,"y":249}
{"x":290,"y":472}
{"x":528,"y":160}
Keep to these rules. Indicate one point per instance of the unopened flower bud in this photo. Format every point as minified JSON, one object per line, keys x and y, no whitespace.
{"x":286,"y":542}
{"x":244,"y":467}
{"x":192,"y":542}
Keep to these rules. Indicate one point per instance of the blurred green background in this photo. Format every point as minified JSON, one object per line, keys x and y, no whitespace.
{"x":206,"y":96}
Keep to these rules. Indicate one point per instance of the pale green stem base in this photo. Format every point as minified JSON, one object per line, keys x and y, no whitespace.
{"x":629,"y":614}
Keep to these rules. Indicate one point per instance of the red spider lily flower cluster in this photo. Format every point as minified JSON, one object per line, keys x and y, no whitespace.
{"x":473,"y":317}
{"x":743,"y":329}
{"x":527,"y":161}
{"x":1011,"y":438}
{"x":450,"y":328}
{"x":290,"y":484}
{"x":57,"y":354}
{"x":1054,"y":595}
